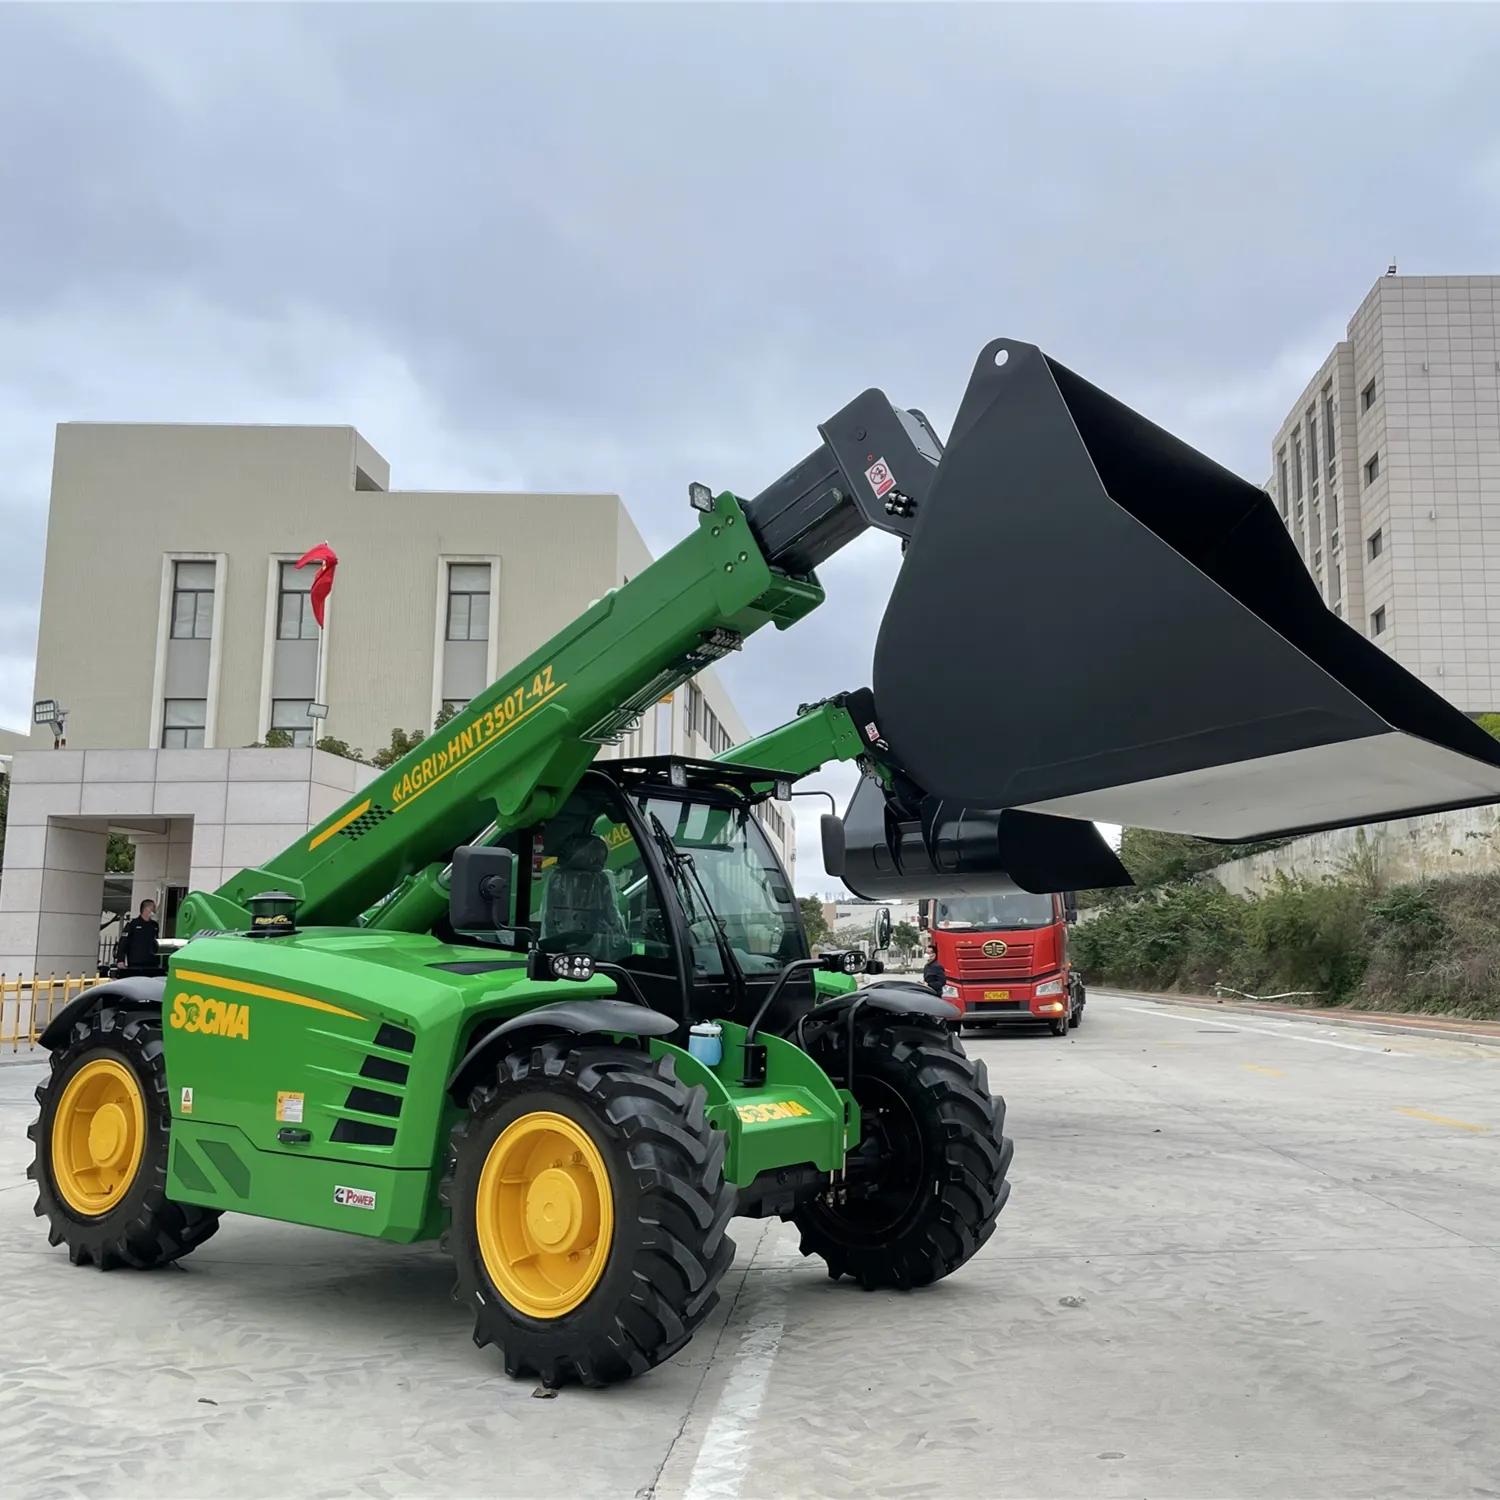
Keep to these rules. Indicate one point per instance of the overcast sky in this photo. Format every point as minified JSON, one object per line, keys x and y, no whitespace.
{"x":621,"y":247}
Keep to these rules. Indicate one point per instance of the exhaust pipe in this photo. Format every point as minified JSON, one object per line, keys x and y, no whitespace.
{"x":1196,"y":681}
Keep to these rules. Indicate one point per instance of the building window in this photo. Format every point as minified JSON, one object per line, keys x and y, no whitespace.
{"x":1312,"y":447}
{"x":1333,"y":543}
{"x":1333,"y":509}
{"x":453,"y":706}
{"x":713,"y":732}
{"x":664,"y":726}
{"x":1377,"y":621}
{"x":1338,"y":583}
{"x":468,"y":601}
{"x":1318,"y":561}
{"x":1372,"y":469}
{"x":1376,"y":544}
{"x":1297,"y":478}
{"x":183,"y":722}
{"x":1367,"y":396}
{"x":1329,"y":425}
{"x":1338,"y":609}
{"x":192,"y":601}
{"x":290,"y":716}
{"x":1286,"y":498}
{"x":294,"y":616}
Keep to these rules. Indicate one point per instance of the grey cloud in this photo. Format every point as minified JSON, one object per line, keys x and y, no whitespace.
{"x":628,"y":246}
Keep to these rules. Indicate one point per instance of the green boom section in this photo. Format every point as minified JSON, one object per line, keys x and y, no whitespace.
{"x":516,"y":751}
{"x":815,"y":737}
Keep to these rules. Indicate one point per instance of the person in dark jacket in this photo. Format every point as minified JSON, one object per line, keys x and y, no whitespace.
{"x":137,"y":947}
{"x":932,"y":975}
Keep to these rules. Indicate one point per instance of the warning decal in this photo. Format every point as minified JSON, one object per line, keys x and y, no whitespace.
{"x":880,"y":477}
{"x":289,"y":1108}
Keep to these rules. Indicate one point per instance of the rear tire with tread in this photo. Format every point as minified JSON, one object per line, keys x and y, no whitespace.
{"x":671,"y":1207}
{"x":145,"y":1228}
{"x":921,"y":1094}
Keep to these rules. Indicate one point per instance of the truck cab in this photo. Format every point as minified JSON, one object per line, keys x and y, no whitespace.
{"x":1005,"y":958}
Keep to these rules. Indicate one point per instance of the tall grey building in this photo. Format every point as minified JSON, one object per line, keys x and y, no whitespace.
{"x":1387,"y":475}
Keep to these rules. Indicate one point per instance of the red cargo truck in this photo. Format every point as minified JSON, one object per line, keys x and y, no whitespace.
{"x":1006,"y":958}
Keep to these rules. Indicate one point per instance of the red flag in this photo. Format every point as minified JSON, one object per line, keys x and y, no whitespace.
{"x":323,"y":583}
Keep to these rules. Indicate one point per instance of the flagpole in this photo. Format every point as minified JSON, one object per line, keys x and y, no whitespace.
{"x":323,"y":657}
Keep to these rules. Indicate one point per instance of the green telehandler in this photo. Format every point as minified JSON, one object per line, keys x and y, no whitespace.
{"x":559,"y":1012}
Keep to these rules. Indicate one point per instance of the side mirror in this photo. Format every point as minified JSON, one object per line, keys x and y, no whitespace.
{"x":1070,"y":907}
{"x":882,"y":929}
{"x":482,"y":890}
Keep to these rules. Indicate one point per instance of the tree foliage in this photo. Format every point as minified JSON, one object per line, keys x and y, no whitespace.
{"x":812,"y":920}
{"x":403,"y":741}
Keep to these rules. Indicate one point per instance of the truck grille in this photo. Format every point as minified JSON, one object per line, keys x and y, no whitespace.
{"x":1014,"y":963}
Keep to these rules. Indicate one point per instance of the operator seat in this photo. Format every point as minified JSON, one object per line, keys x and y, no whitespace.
{"x":580,"y":898}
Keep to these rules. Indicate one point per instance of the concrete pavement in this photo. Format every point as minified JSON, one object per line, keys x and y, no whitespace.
{"x":1241,"y":1258}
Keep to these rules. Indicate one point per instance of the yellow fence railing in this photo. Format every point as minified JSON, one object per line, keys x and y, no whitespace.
{"x":27,"y":1004}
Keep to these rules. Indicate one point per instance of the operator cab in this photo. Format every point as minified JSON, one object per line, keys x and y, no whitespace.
{"x":660,"y":865}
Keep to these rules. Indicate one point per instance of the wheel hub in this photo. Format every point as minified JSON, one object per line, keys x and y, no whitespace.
{"x":544,"y":1214}
{"x":109,"y":1136}
{"x":98,"y":1137}
{"x":556,"y":1215}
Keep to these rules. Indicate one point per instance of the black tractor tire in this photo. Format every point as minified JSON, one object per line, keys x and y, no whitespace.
{"x":671,"y":1206}
{"x":1076,"y":1019}
{"x":144,"y":1228}
{"x":945,"y":1155}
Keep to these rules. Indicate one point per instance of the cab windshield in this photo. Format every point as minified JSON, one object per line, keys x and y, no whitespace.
{"x":744,"y":884}
{"x":1018,"y":910}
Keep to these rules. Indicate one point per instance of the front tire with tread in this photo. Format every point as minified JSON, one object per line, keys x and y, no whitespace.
{"x":670,"y":1201}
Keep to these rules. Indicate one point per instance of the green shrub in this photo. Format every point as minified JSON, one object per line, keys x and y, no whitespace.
{"x":1179,"y":937}
{"x":1430,"y":946}
{"x":1307,"y":937}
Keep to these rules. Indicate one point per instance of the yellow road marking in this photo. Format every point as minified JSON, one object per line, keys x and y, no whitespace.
{"x":1270,"y":1072}
{"x":1421,"y":1114}
{"x":244,"y":987}
{"x":1161,"y":1043}
{"x":340,"y":826}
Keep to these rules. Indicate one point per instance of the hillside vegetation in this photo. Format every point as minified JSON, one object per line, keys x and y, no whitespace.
{"x":1432,"y":946}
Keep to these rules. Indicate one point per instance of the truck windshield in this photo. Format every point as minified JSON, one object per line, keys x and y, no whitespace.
{"x":1019,"y":910}
{"x":746,"y":886}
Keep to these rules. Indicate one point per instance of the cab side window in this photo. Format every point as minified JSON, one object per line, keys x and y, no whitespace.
{"x":591,"y":891}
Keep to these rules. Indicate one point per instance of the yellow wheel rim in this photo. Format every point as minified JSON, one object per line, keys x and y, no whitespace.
{"x":98,"y":1137}
{"x":545,"y":1215}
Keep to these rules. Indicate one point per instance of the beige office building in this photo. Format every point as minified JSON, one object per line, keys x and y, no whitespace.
{"x":176,"y":632}
{"x":1387,"y":475}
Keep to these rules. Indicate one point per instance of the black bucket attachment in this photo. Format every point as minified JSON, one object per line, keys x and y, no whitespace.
{"x":949,"y":850}
{"x":1093,"y":620}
